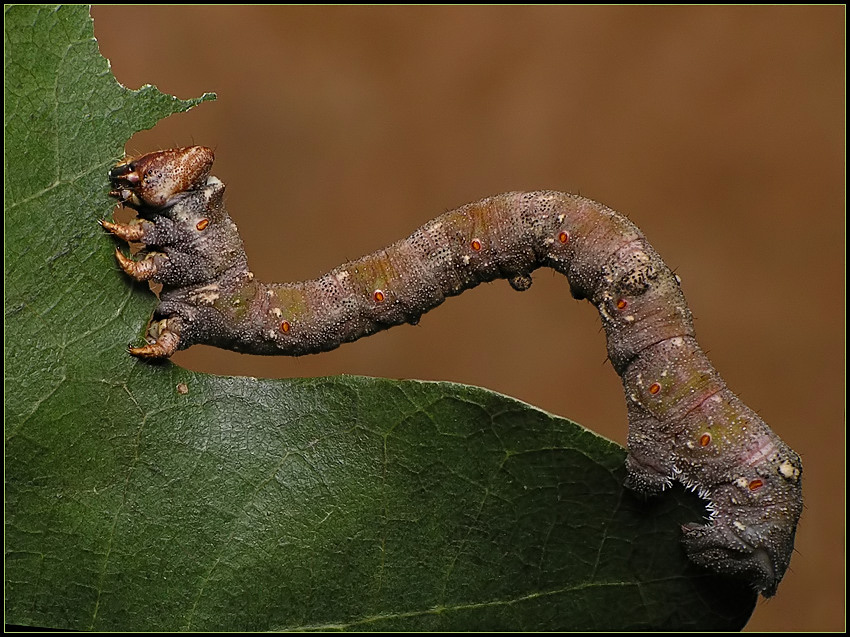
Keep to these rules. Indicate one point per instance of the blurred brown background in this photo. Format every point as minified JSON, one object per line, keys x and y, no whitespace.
{"x":719,"y":130}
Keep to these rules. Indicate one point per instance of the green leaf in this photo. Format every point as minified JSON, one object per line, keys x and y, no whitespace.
{"x":244,"y":504}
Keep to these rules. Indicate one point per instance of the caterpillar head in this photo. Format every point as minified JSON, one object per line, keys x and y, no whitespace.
{"x":156,"y":179}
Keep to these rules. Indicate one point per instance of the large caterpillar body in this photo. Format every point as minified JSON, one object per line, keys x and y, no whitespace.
{"x":684,"y":424}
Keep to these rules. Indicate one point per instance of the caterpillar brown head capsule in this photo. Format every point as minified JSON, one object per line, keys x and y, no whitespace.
{"x":684,"y":423}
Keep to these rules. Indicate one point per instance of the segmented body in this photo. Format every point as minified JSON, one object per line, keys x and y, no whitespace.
{"x":684,"y":423}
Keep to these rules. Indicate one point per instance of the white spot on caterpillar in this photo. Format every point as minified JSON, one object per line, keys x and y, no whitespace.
{"x":788,"y":471}
{"x":678,"y":278}
{"x":741,"y":482}
{"x":677,"y":342}
{"x":276,"y":311}
{"x":548,"y":241}
{"x":269,"y":292}
{"x":249,"y":275}
{"x":272,"y":334}
{"x":465,"y":259}
{"x":629,"y":318}
{"x":739,"y":526}
{"x":206,"y":295}
{"x":561,"y":218}
{"x":342,"y":276}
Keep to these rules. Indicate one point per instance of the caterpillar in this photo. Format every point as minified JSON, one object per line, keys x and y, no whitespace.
{"x":684,"y":423}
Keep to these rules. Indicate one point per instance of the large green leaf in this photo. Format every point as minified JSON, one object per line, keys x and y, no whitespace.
{"x":244,"y":504}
